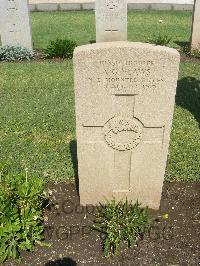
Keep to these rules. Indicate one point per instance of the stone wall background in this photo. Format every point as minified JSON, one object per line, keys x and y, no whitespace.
{"x":65,"y":5}
{"x":129,"y":1}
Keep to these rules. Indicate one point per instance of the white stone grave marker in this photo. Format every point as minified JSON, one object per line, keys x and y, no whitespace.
{"x":125,"y":94}
{"x":195,"y":42}
{"x":14,"y":23}
{"x":111,"y":20}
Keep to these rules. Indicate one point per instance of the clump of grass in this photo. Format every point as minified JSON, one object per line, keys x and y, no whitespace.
{"x":121,"y":222}
{"x":159,"y":39}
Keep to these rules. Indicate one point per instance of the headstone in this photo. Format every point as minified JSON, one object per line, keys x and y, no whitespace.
{"x":195,"y":44}
{"x":14,"y":23}
{"x":111,"y":20}
{"x":125,"y":94}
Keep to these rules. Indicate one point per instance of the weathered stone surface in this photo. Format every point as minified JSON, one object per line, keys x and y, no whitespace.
{"x":195,"y":44}
{"x":14,"y":23}
{"x":111,"y":20}
{"x":125,"y":96}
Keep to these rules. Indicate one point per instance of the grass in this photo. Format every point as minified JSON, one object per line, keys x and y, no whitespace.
{"x":184,"y":152}
{"x":80,"y":26}
{"x":145,"y":24}
{"x":37,"y":118}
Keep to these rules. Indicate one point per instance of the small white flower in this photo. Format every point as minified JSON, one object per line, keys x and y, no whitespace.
{"x":57,"y":206}
{"x":160,"y":21}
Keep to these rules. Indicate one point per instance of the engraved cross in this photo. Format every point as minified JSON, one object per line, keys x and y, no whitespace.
{"x":122,"y":133}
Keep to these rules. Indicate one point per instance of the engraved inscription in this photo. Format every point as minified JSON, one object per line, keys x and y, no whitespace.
{"x":122,"y":133}
{"x":125,"y":76}
{"x":111,"y":4}
{"x":12,"y":24}
{"x":11,"y":5}
{"x":12,"y":27}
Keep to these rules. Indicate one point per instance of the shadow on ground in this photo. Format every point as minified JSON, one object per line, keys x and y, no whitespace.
{"x":188,"y":95}
{"x":73,"y":151}
{"x":182,"y":44}
{"x":61,"y":262}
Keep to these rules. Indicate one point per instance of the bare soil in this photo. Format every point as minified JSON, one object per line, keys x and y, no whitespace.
{"x":173,"y":239}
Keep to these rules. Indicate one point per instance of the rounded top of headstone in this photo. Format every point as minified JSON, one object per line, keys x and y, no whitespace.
{"x":129,"y":45}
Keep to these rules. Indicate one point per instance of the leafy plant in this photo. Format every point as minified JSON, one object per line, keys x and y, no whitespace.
{"x":160,"y":39}
{"x":15,"y":53}
{"x":121,"y":222}
{"x":60,"y":48}
{"x":21,"y":215}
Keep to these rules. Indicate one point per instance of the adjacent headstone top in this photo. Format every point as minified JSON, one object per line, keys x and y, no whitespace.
{"x":14,"y":23}
{"x":195,"y":44}
{"x":125,"y":95}
{"x":111,"y":20}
